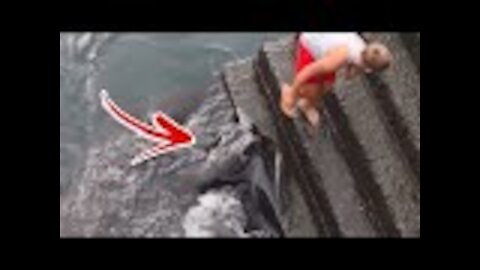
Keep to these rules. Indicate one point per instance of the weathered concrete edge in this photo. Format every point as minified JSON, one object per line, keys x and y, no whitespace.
{"x":377,"y":212}
{"x":373,"y":194}
{"x":239,"y":79}
{"x":412,"y":43}
{"x":308,"y":178}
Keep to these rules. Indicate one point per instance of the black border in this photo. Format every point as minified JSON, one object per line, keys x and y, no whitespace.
{"x":265,"y":15}
{"x":244,"y":15}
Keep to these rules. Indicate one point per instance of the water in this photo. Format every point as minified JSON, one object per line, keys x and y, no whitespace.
{"x":143,"y":73}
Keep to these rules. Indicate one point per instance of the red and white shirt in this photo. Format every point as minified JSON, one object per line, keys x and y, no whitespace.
{"x":320,"y":43}
{"x":313,"y":46}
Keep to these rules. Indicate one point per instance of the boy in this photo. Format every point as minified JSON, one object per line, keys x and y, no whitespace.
{"x":319,"y":57}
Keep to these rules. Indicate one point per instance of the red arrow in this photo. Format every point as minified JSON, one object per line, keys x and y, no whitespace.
{"x":167,"y":133}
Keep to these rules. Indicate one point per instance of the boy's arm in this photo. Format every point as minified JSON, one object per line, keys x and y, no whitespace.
{"x":328,"y":64}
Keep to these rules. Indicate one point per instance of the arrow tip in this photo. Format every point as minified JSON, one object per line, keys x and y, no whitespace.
{"x":103,"y":94}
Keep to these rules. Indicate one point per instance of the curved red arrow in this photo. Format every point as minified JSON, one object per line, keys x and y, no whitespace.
{"x":167,"y":133}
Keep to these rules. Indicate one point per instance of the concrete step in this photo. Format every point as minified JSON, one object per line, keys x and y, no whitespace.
{"x":379,"y":179}
{"x":299,"y":163}
{"x":412,"y":43}
{"x":330,"y":175}
{"x":252,"y":106}
{"x":248,"y":101}
{"x":397,"y":93}
{"x":353,"y":217}
{"x":379,"y":146}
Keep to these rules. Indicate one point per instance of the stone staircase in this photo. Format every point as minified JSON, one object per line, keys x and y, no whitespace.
{"x":360,"y":175}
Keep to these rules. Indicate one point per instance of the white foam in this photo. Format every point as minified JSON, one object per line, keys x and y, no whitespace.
{"x":216,"y":212}
{"x":83,"y":41}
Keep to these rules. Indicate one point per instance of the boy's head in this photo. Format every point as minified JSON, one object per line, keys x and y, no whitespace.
{"x":377,"y":57}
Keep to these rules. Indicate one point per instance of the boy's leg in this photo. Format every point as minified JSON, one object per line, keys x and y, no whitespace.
{"x":289,"y":97}
{"x":310,"y":111}
{"x":288,"y":100}
{"x":310,"y":95}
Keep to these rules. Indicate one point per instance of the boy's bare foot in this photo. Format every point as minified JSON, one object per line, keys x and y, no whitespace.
{"x":310,"y":111}
{"x":287,"y":103}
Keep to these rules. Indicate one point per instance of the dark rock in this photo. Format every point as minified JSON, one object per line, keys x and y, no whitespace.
{"x":111,"y":199}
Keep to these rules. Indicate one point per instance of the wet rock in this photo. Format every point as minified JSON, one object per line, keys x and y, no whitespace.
{"x":159,"y":198}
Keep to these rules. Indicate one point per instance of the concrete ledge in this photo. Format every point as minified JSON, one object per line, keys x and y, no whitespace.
{"x":412,"y":43}
{"x":354,"y":216}
{"x":387,"y":163}
{"x":385,"y":197}
{"x":251,"y":105}
{"x":398,"y":92}
{"x":248,"y":101}
{"x":308,"y":177}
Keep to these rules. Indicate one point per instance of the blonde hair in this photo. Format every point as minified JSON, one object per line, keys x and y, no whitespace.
{"x":377,"y":56}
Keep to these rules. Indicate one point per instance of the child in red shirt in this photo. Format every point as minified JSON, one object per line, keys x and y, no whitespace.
{"x":319,"y":57}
